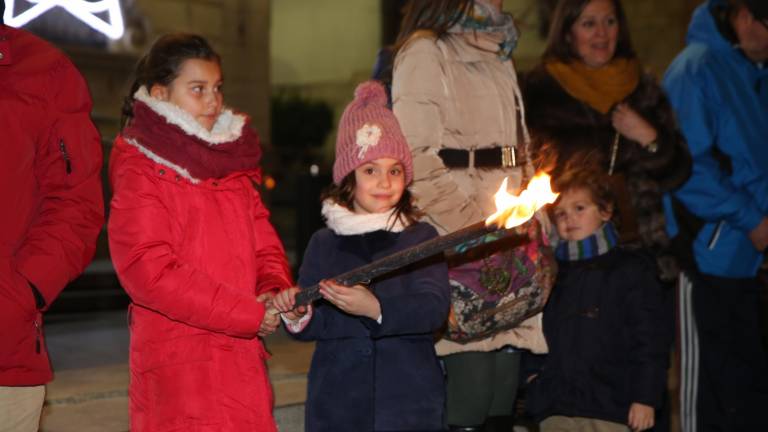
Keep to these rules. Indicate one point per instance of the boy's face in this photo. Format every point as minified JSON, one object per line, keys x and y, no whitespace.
{"x":577,"y":216}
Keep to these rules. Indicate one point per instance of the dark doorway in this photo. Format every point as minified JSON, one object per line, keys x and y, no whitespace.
{"x":391,"y":15}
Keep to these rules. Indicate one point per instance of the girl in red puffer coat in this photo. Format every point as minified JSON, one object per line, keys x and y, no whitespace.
{"x":193,"y":247}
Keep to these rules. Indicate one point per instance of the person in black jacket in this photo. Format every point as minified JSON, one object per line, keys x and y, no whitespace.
{"x":604,"y":322}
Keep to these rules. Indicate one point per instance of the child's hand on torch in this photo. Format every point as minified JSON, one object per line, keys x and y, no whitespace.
{"x":271,"y":319}
{"x":355,"y":300}
{"x":285,"y":303}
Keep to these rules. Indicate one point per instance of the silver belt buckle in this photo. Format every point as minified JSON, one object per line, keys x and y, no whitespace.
{"x":508,"y":157}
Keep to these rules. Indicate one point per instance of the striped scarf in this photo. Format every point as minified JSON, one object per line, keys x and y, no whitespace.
{"x":603,"y":240}
{"x":490,"y":27}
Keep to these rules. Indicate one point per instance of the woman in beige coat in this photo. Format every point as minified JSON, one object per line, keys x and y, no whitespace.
{"x":456,"y":96}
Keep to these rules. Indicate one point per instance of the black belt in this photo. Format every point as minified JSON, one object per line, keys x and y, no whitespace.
{"x":491,"y":157}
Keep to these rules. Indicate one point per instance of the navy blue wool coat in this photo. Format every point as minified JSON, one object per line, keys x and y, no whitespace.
{"x":609,"y":336}
{"x":367,"y":376}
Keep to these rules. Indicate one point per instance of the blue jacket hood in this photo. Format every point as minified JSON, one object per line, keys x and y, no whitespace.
{"x":703,"y":28}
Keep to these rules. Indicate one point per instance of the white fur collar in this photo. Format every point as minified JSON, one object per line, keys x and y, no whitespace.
{"x":228,"y":127}
{"x":343,"y":221}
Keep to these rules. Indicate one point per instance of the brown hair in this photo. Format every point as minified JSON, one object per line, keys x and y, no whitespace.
{"x":161,"y":65}
{"x":565,"y":16}
{"x":435,"y":16}
{"x":582,"y":175}
{"x":344,"y":195}
{"x":723,"y":14}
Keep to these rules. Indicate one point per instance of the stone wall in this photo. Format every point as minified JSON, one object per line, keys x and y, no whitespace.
{"x":658,"y":30}
{"x":238,"y":30}
{"x":320,"y":49}
{"x":323,"y":41}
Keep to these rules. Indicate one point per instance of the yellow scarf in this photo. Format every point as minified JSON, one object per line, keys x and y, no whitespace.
{"x":600,"y":88}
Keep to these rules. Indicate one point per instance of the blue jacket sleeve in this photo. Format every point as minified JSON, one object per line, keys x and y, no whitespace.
{"x":709,"y":193}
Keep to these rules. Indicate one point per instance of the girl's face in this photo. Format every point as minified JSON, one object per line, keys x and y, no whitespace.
{"x":595,"y":33}
{"x":379,"y":184}
{"x":577,"y":216}
{"x":197,"y":90}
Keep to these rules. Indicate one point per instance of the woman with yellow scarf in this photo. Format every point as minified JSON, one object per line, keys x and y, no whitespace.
{"x":589,"y":102}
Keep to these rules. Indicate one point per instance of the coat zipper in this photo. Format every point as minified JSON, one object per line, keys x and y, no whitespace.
{"x":37,"y":336}
{"x":65,"y":155}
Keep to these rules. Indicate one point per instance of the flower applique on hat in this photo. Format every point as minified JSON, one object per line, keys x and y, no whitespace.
{"x":367,"y":136}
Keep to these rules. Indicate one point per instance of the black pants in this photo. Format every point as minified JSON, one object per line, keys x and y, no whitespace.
{"x":733,"y":368}
{"x":481,"y":385}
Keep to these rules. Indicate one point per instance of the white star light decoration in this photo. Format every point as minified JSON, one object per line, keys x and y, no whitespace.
{"x":367,"y":136}
{"x":85,"y":11}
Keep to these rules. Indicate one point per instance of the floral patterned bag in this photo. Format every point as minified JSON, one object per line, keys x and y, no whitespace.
{"x":498,"y":280}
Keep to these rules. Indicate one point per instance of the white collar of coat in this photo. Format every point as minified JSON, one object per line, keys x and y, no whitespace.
{"x":343,"y":221}
{"x":228,"y":127}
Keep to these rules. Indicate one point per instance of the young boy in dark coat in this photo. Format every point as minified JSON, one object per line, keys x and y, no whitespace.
{"x":604,"y":322}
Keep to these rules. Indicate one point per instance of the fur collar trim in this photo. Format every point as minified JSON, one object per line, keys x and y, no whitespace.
{"x":169,"y":136}
{"x":343,"y":221}
{"x":228,"y":127}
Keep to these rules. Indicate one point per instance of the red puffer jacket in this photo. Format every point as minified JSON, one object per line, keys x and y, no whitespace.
{"x":193,"y":255}
{"x":50,"y":188}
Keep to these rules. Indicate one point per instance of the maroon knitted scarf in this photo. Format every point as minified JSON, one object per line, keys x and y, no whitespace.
{"x":203,"y":160}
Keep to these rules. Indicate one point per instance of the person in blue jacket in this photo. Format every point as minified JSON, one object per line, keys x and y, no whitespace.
{"x":374,"y":366}
{"x":718,"y":87}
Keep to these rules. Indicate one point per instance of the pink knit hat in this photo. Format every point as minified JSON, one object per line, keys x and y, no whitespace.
{"x":368,"y":130}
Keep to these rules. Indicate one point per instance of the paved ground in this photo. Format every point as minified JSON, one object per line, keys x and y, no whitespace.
{"x":90,"y":391}
{"x":90,"y":356}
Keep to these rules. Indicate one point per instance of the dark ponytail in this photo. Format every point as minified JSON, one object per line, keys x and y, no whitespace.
{"x":162,"y":63}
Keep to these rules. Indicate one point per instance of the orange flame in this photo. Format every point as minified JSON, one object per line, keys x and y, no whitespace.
{"x":514,"y":210}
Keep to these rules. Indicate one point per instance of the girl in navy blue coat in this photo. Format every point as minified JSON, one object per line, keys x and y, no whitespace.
{"x":374,"y":366}
{"x":605,"y":321}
